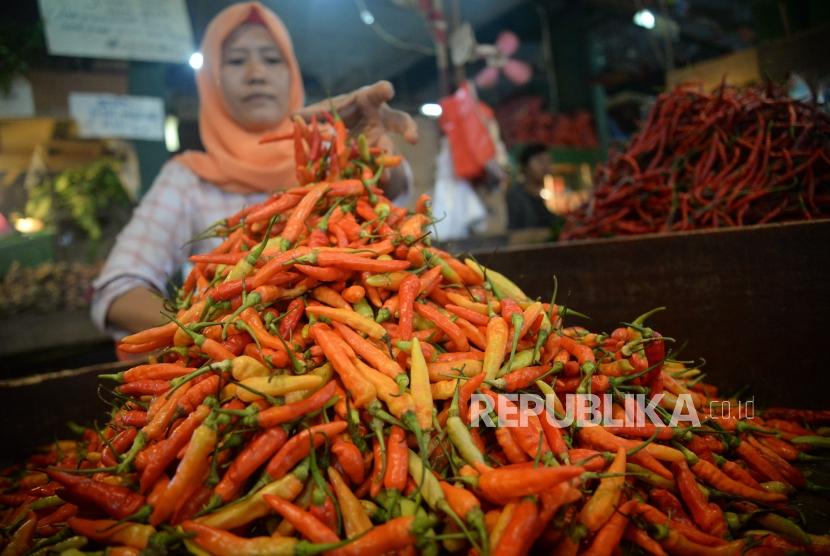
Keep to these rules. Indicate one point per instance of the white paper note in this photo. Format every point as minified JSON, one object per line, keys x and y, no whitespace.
{"x":122,"y":116}
{"x":151,"y":30}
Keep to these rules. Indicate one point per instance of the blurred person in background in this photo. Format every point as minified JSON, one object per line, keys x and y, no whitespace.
{"x":525,"y":205}
{"x":250,"y":84}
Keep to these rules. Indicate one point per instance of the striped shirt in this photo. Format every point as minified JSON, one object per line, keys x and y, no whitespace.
{"x":155,"y":243}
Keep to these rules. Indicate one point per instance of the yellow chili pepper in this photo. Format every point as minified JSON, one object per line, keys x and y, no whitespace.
{"x":387,"y":280}
{"x":426,"y":481}
{"x":325,"y":294}
{"x":505,"y":517}
{"x":246,"y":366}
{"x":502,"y":285}
{"x":180,"y":338}
{"x":355,"y":519}
{"x":419,"y":385}
{"x":603,"y":503}
{"x":248,"y":509}
{"x":522,"y":359}
{"x":463,"y":301}
{"x":446,"y":270}
{"x":531,"y":313}
{"x":350,"y":318}
{"x":443,"y":389}
{"x":246,"y":265}
{"x":496,"y":344}
{"x":547,"y":390}
{"x":387,"y":390}
{"x":324,"y":371}
{"x":278,"y":385}
{"x":442,"y":370}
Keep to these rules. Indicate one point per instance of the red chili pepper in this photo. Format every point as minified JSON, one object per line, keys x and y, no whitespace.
{"x":260,"y":450}
{"x":59,"y":515}
{"x":407,"y":292}
{"x":131,"y":418}
{"x":223,"y":543}
{"x":656,"y":517}
{"x":297,"y":221}
{"x":299,"y":445}
{"x":292,"y":317}
{"x":518,"y":536}
{"x":793,"y":475}
{"x":350,"y":459}
{"x":445,"y":324}
{"x":190,"y":472}
{"x":117,"y":501}
{"x":277,"y":415}
{"x":611,"y":533}
{"x":466,"y":392}
{"x":397,"y":455}
{"x":305,"y":522}
{"x":668,"y":503}
{"x":192,"y":503}
{"x":707,"y":515}
{"x":514,"y":481}
{"x":757,"y":462}
{"x":198,"y":393}
{"x":161,"y":454}
{"x":715,"y":477}
{"x":118,"y":445}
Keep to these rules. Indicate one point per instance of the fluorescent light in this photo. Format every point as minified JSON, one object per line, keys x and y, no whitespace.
{"x":431,"y":110}
{"x":196,"y":60}
{"x":171,"y":134}
{"x":367,"y":17}
{"x":645,"y":19}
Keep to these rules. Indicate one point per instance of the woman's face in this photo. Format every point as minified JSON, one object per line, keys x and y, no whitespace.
{"x":254,"y":77}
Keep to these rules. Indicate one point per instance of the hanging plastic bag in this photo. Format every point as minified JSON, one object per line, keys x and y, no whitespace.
{"x":464,"y":122}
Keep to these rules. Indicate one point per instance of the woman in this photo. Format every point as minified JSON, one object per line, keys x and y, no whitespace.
{"x":249,"y":84}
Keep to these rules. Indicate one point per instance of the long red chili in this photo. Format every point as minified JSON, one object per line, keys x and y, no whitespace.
{"x":117,"y":501}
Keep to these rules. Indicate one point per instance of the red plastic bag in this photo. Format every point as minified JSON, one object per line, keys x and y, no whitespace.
{"x":464,"y":122}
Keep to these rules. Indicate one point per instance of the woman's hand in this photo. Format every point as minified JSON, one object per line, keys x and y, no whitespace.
{"x":366,"y":111}
{"x":136,"y":310}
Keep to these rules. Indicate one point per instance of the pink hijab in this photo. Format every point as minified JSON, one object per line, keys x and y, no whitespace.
{"x":234,"y":160}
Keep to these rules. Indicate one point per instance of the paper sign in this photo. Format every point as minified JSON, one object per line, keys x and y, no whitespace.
{"x":19,"y":103}
{"x":127,"y":117}
{"x":151,"y":30}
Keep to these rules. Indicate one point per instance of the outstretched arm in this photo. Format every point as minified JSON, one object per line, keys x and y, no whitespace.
{"x":367,"y":111}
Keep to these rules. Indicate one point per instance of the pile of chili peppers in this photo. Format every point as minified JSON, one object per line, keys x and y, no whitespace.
{"x":735,"y":157}
{"x":313,"y":393}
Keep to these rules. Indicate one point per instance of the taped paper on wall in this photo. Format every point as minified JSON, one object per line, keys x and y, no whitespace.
{"x":117,"y":116}
{"x":150,"y":30}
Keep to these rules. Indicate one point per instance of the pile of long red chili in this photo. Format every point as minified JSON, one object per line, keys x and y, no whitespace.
{"x":316,"y":391}
{"x":733,"y":157}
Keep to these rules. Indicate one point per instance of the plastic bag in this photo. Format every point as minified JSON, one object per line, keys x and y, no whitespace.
{"x":454,"y":203}
{"x":464,"y":122}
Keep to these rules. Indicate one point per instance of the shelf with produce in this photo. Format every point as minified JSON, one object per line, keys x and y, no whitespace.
{"x":725,"y":158}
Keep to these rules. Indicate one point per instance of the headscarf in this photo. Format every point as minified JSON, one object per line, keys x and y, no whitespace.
{"x":234,"y":160}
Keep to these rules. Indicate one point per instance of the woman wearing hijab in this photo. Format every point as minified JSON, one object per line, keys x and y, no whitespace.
{"x":249,"y":84}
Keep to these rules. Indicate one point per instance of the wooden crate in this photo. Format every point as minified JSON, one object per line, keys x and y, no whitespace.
{"x":753,"y":301}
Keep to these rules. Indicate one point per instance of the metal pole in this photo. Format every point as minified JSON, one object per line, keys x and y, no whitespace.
{"x":547,"y":59}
